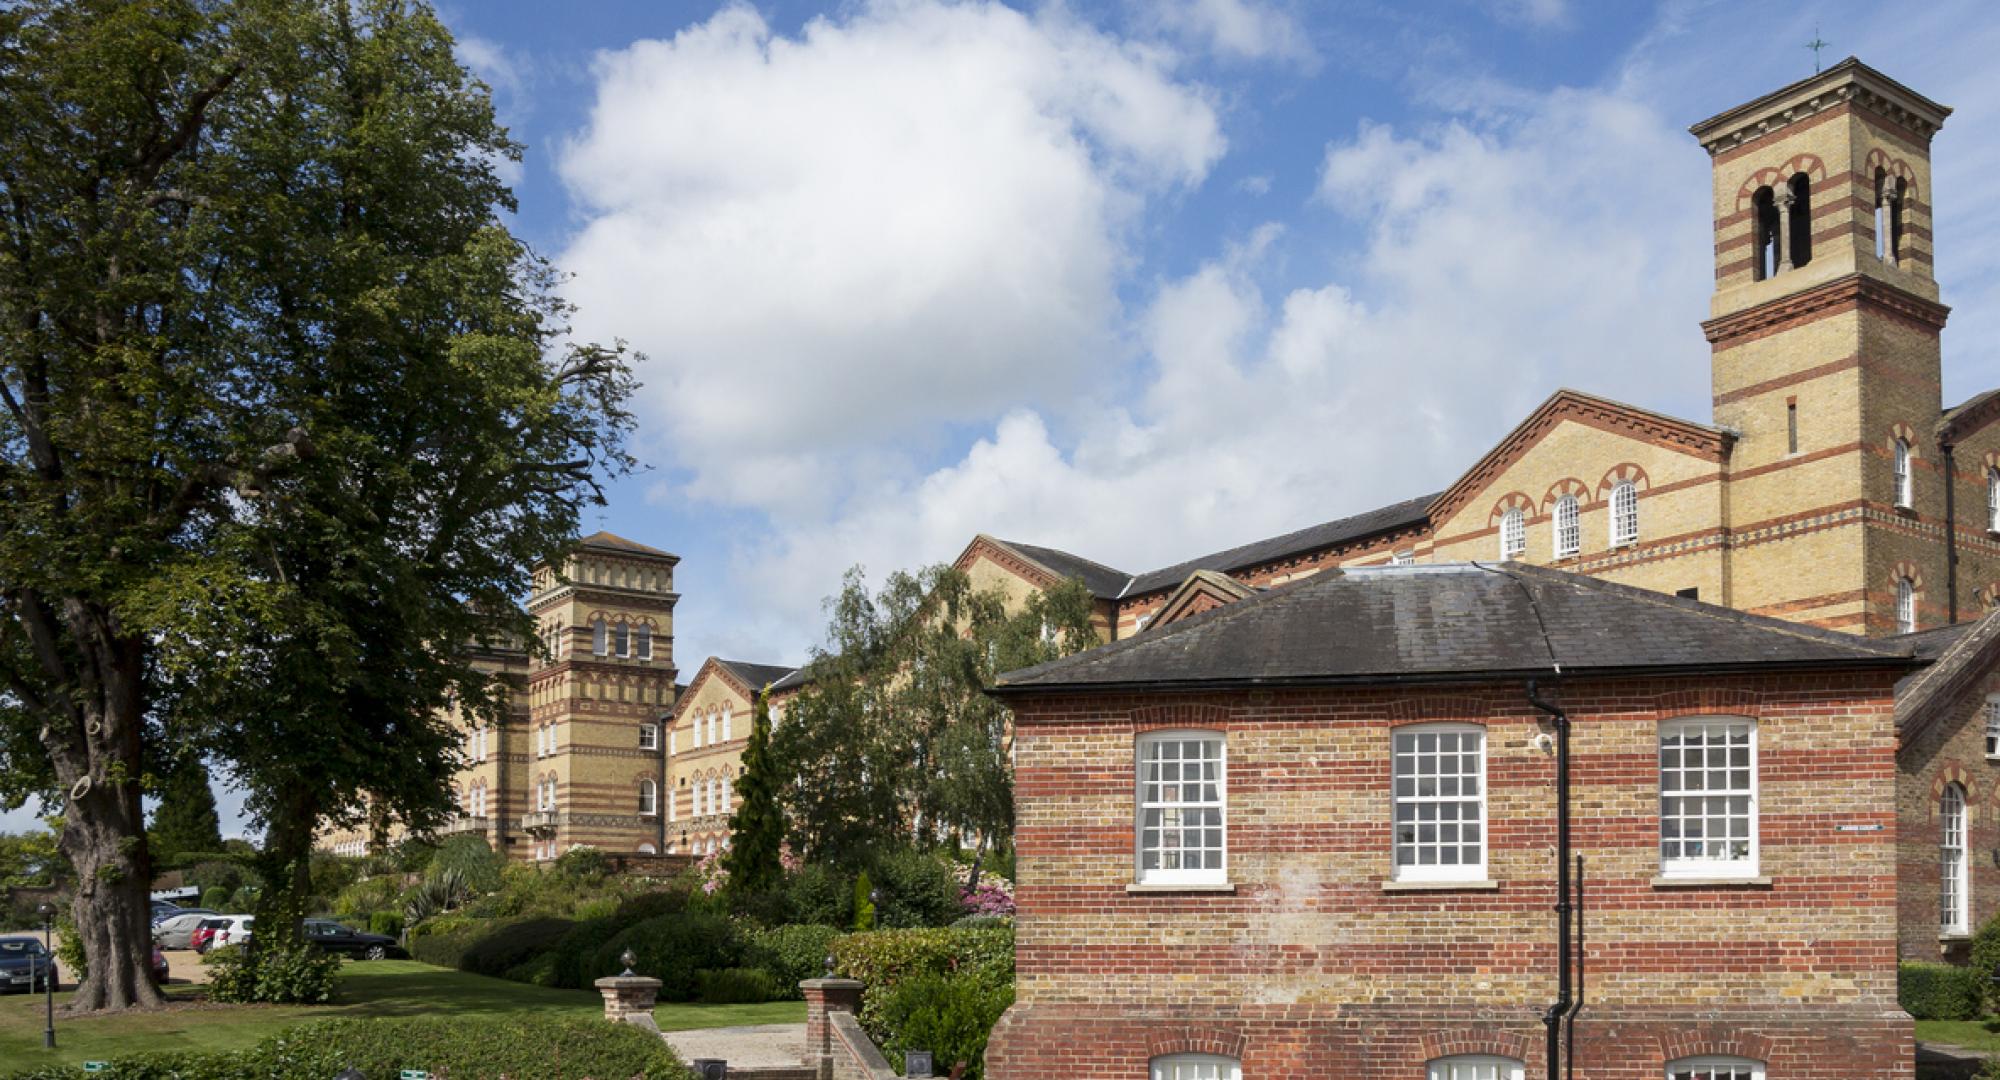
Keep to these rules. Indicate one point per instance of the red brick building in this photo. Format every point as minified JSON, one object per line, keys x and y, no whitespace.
{"x":1311,"y":834}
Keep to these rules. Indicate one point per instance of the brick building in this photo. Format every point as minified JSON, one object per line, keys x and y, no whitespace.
{"x":706,"y":734}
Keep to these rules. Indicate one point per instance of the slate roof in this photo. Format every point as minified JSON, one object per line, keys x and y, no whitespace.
{"x":1102,"y":580}
{"x":614,"y":542}
{"x":1449,"y":621}
{"x":1313,"y":537}
{"x":755,"y":676}
{"x":796,"y":679}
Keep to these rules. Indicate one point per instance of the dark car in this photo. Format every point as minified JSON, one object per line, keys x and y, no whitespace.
{"x":333,"y":937}
{"x":159,"y":964}
{"x":26,"y":965}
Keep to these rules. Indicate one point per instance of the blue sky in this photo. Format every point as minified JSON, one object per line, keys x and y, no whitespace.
{"x":1141,"y":279}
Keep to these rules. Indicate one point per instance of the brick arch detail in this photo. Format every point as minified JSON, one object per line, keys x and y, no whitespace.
{"x":1879,"y":158}
{"x":1909,"y":570}
{"x":1439,"y":708}
{"x":1568,"y":485}
{"x":1195,"y":1040}
{"x":1990,"y":459}
{"x":1621,"y":472}
{"x":1953,"y":772}
{"x":1908,"y":434}
{"x":1717,"y":1040}
{"x":1776,"y":176}
{"x":1188,"y":714}
{"x":1709,"y":701}
{"x":1513,"y":500}
{"x":1518,"y":1045}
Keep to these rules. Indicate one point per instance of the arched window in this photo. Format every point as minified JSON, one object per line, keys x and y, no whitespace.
{"x":1906,"y":606}
{"x":725,"y":805}
{"x":645,"y":634}
{"x":647,"y":848}
{"x":1196,"y":1067}
{"x":1624,"y":513}
{"x":1993,"y":725}
{"x":649,"y":798}
{"x":1568,"y":530}
{"x":600,"y":640}
{"x":726,"y":713}
{"x":1901,"y":471}
{"x":714,"y":728}
{"x":1513,"y":534}
{"x":1474,"y":1067}
{"x":1993,"y":500}
{"x":621,"y":636}
{"x":1952,"y":890}
{"x":1800,"y":225}
{"x":1764,"y":218}
{"x":1715,"y":1068}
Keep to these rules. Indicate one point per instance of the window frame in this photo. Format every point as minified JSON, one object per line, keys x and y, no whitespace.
{"x":1992,"y":500}
{"x":1954,"y":879}
{"x":1624,"y":505}
{"x":1690,"y":1066}
{"x":643,"y":638}
{"x":1682,"y":867}
{"x":1509,"y":1068}
{"x":1513,"y":534}
{"x":1906,"y":606}
{"x":649,"y":736}
{"x":1398,"y":871}
{"x":600,"y":637}
{"x":1900,"y":472}
{"x":1992,"y":732}
{"x":621,"y":639}
{"x":1166,"y":1066}
{"x":1146,"y":740}
{"x":1567,"y":534}
{"x":649,"y":797}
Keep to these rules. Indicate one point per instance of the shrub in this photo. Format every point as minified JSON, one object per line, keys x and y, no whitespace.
{"x":379,"y":893}
{"x":915,"y":889}
{"x":671,"y":948}
{"x":1940,"y":991}
{"x":864,"y":903}
{"x":1986,"y":956}
{"x":473,"y":858}
{"x":387,"y":923}
{"x":294,"y":973}
{"x":818,"y":894}
{"x":734,"y":986}
{"x":648,"y":905}
{"x":949,"y":1016}
{"x":540,"y":971}
{"x":445,"y":945}
{"x":792,"y":954}
{"x":583,"y":863}
{"x":443,"y":890}
{"x":885,"y":959}
{"x":578,"y":948}
{"x":215,"y":898}
{"x":243,"y":899}
{"x":215,"y":874}
{"x":503,"y":945}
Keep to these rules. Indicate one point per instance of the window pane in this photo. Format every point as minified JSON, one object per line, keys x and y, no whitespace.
{"x":1706,"y":791}
{"x":1180,"y":813}
{"x":1437,"y":802}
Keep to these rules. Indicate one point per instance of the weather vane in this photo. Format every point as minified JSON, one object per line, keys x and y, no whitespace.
{"x":1816,"y":45}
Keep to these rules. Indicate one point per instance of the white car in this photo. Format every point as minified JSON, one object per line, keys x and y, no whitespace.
{"x":224,"y":930}
{"x":178,"y":932}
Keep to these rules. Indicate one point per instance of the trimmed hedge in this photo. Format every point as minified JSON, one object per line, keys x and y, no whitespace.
{"x":949,"y":1016}
{"x":671,"y":948}
{"x":735,"y":986}
{"x":792,"y":954}
{"x":1940,"y":991}
{"x":509,"y":943}
{"x":557,"y":1048}
{"x":884,"y":959}
{"x":445,"y":945}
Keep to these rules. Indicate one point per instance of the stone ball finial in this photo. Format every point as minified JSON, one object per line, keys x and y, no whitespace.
{"x":628,"y":960}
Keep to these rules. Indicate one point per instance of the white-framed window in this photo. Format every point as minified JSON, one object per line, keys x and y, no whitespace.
{"x":1715,"y":1068}
{"x":1405,"y":557}
{"x":1568,"y":527}
{"x":1624,"y":513}
{"x":1196,"y":1067}
{"x":600,"y":637}
{"x":673,"y":805}
{"x":649,"y":737}
{"x":621,"y":638}
{"x":1474,"y":1067}
{"x":649,"y":798}
{"x":1993,"y":500}
{"x":1993,"y":726}
{"x":1182,"y":790}
{"x":1901,"y":466}
{"x":726,"y":804}
{"x":1440,"y":802}
{"x":645,"y":636}
{"x":727,"y":712}
{"x":1952,"y":891}
{"x":1708,"y":797}
{"x":1513,"y":534}
{"x":1906,"y":606}
{"x":695,"y":729}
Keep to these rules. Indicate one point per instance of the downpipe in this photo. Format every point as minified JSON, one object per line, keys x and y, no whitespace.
{"x":1559,"y":1010}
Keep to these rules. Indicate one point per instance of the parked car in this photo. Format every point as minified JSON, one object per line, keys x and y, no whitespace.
{"x":26,"y":965}
{"x":219,"y":930}
{"x":159,"y":964}
{"x":334,"y":937}
{"x":178,"y":931}
{"x":163,"y":910}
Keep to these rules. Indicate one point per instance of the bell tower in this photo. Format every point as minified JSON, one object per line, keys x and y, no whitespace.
{"x":1825,"y":357}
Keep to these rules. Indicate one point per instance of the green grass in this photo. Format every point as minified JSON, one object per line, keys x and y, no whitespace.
{"x":374,"y":988}
{"x":1970,"y":1034}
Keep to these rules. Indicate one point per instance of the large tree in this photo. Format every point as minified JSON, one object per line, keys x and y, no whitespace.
{"x":285,"y":419}
{"x":894,"y":739}
{"x":185,"y":820}
{"x":757,"y":829}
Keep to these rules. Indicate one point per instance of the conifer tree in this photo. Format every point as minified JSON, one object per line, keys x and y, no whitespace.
{"x":186,"y":820}
{"x":758,"y":827}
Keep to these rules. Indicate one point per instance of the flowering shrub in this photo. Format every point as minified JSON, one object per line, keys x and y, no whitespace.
{"x":711,"y":873}
{"x":993,"y":897}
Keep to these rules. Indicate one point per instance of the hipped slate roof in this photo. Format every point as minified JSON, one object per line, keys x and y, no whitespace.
{"x":1444,"y":622}
{"x":613,"y":542}
{"x":755,"y":676}
{"x":1100,"y":579}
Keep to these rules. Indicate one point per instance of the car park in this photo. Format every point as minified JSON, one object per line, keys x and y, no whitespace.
{"x":336,"y":938}
{"x":219,"y":930}
{"x":25,"y":964}
{"x":177,"y":932}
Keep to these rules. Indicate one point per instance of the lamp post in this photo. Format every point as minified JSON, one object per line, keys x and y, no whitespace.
{"x":48,"y":913}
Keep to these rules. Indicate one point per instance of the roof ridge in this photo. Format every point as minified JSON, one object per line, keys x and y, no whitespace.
{"x":1017,"y":545}
{"x":1421,"y":502}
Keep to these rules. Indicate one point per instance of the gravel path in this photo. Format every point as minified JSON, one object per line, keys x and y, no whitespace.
{"x":756,"y":1046}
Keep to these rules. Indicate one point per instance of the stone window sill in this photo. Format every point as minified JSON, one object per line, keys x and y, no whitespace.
{"x":1138,"y":888}
{"x":1665,"y":882}
{"x":1483,"y":885}
{"x":1953,"y":938}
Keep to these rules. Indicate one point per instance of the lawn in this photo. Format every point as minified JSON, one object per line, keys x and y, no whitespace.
{"x":372,"y":988}
{"x":1970,"y":1034}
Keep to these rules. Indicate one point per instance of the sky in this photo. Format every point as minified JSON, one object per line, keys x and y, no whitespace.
{"x":1140,"y":279}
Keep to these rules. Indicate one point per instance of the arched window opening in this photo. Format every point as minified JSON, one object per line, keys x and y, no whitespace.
{"x":600,"y":637}
{"x":1800,"y":224}
{"x":1513,"y":534}
{"x":1624,"y":513}
{"x":1993,"y":500}
{"x":645,"y":645}
{"x":647,"y":849}
{"x":1882,"y":195}
{"x":1568,"y":531}
{"x":649,"y":798}
{"x":1900,"y":465}
{"x":1952,"y":917}
{"x":727,"y":712}
{"x":1764,"y":224}
{"x":1474,"y":1067}
{"x":1715,"y":1068}
{"x":1906,"y":606}
{"x":1899,"y":216}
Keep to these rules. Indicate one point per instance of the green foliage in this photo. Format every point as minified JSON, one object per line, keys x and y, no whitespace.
{"x":1940,"y":991}
{"x":186,"y":819}
{"x":215,"y":898}
{"x":217,"y":874}
{"x":69,"y":945}
{"x":442,"y":890}
{"x":381,"y":892}
{"x":864,"y":903}
{"x":243,"y":899}
{"x":916,"y":889}
{"x":735,"y":986}
{"x":582,"y":863}
{"x":32,"y":858}
{"x":472,"y":858}
{"x":792,"y":954}
{"x":757,"y":829}
{"x":671,"y":948}
{"x":505,"y":945}
{"x":387,"y":923}
{"x":1986,"y":958}
{"x":949,"y":1016}
{"x":817,"y":893}
{"x":444,"y":941}
{"x":280,"y":973}
{"x":885,"y":959}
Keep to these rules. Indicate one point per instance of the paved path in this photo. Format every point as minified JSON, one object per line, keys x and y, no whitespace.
{"x":756,"y":1046}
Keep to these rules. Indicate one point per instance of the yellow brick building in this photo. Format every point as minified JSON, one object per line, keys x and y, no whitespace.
{"x":706,"y":734}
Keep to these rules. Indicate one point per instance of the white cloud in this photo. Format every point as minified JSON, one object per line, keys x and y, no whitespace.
{"x":506,"y":73}
{"x":837,"y":241}
{"x":1235,"y":29}
{"x":1258,"y":184}
{"x":1533,"y":12}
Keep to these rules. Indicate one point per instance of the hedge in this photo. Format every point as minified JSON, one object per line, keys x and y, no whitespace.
{"x":508,"y":943}
{"x":885,"y":958}
{"x":671,"y":948}
{"x":558,"y":1048}
{"x":1940,"y":991}
{"x":792,"y":954}
{"x":951,"y":1016}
